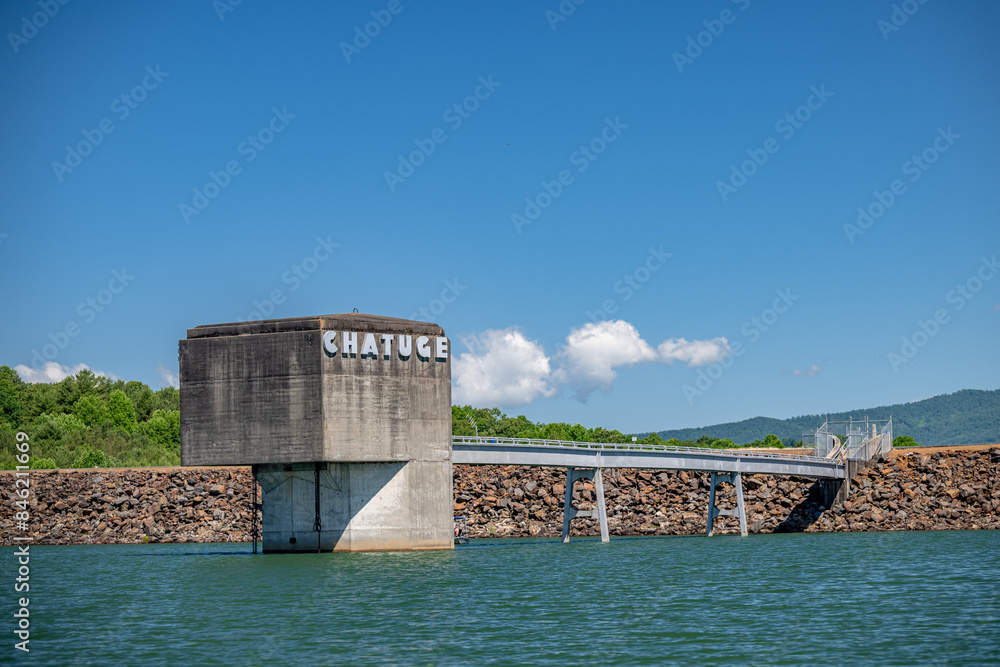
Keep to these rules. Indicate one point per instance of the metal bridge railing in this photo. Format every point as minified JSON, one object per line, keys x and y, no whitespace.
{"x":862,"y":440}
{"x":528,"y":442}
{"x":823,"y":444}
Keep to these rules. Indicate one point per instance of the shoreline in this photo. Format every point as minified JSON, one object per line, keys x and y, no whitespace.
{"x":912,"y":489}
{"x":786,"y":450}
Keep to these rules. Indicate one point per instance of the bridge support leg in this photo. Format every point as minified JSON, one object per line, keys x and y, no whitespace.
{"x":570,"y":513}
{"x":602,"y":510}
{"x":736,"y":479}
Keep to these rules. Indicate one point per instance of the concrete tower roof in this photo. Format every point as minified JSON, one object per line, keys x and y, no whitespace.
{"x":360,"y":322}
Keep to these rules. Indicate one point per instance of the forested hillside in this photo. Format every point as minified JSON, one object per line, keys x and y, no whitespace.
{"x":491,"y":422}
{"x":88,"y":420}
{"x":969,"y":416}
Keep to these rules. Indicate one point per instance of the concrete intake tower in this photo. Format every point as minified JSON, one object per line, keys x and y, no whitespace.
{"x":346,"y":420}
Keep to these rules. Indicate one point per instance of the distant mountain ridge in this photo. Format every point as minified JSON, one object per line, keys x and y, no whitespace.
{"x":966,"y":417}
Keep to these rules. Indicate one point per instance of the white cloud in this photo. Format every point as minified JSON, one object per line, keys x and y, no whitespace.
{"x":53,"y":372}
{"x":695,"y":352}
{"x":594,"y":351}
{"x":503,"y":368}
{"x":810,"y":372}
{"x":168,"y":376}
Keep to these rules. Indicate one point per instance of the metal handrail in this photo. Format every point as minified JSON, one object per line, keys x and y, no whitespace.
{"x":837,"y":452}
{"x":528,"y":442}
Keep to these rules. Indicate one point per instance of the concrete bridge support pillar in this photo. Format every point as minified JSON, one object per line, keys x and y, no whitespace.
{"x":570,"y":513}
{"x":836,"y":491}
{"x":736,"y":479}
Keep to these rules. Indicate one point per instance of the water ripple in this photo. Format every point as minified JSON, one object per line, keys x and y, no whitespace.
{"x":886,"y":598}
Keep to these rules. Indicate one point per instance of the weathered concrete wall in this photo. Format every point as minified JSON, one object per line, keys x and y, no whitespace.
{"x":251,"y":399}
{"x":392,"y":506}
{"x":268,"y":392}
{"x":368,"y":395}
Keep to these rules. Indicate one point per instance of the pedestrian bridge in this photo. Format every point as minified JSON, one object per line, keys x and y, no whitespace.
{"x":586,"y":460}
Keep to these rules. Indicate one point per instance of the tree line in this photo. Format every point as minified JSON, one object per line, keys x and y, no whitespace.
{"x":491,"y":422}
{"x":87,"y":421}
{"x":969,"y":416}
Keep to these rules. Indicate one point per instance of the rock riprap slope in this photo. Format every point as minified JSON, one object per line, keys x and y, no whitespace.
{"x":910,"y":491}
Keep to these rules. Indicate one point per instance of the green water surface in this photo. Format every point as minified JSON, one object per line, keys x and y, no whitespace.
{"x":830,"y":599}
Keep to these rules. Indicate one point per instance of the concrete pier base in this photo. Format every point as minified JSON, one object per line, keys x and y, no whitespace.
{"x":836,"y":491}
{"x":391,"y":506}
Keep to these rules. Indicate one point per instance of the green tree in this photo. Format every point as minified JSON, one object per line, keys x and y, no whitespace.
{"x":87,"y":457}
{"x":105,"y":385}
{"x":773,"y":441}
{"x":512,"y":427}
{"x":56,"y":436}
{"x":604,"y":435}
{"x":91,"y":410}
{"x":12,"y":389}
{"x":121,"y":411}
{"x":904,"y":441}
{"x":142,"y":398}
{"x":74,"y":387}
{"x":576,"y":432}
{"x":486,"y":420}
{"x":163,"y":428}
{"x":40,"y":398}
{"x":55,"y":430}
{"x":169,"y":398}
{"x":8,"y":447}
{"x":652,"y":439}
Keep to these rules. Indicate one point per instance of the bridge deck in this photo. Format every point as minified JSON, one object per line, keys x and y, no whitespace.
{"x":566,"y":454}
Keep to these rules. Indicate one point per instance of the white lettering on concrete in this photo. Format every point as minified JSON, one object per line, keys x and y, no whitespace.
{"x":387,"y":345}
{"x":423,"y":349}
{"x":350,"y":342}
{"x":329,"y":342}
{"x":405,"y":347}
{"x":370,"y":348}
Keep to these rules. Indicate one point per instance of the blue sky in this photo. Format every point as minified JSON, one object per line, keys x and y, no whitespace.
{"x":698,"y":167}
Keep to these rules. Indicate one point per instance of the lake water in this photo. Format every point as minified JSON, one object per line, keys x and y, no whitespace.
{"x":886,"y":598}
